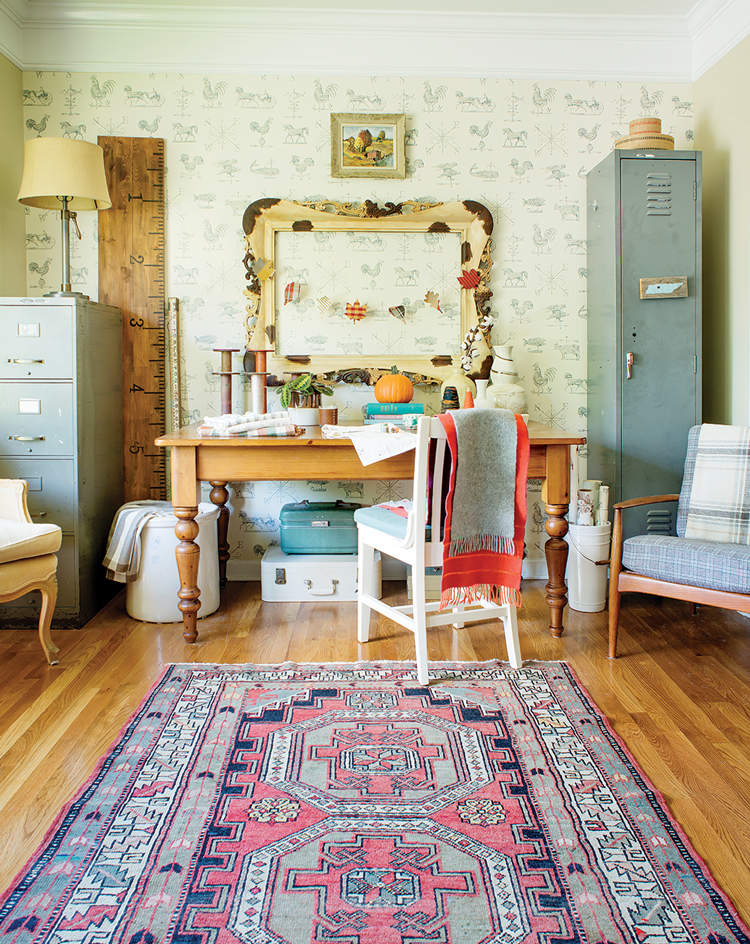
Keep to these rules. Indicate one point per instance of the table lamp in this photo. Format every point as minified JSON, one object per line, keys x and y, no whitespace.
{"x":66,"y":175}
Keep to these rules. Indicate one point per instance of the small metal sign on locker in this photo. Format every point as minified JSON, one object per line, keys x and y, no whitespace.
{"x":296,"y":578}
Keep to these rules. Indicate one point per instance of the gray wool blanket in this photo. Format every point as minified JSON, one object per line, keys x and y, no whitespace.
{"x":485,"y":490}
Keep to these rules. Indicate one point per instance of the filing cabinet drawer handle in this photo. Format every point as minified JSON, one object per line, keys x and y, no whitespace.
{"x":26,"y":438}
{"x":20,"y":360}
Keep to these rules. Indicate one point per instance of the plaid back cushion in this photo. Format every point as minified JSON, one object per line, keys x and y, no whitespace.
{"x":687,"y":480}
{"x":716,"y":503}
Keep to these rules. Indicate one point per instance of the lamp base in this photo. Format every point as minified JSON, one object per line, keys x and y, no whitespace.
{"x":66,"y":294}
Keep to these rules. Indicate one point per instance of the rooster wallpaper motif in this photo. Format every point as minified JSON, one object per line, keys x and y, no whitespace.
{"x":520,"y":147}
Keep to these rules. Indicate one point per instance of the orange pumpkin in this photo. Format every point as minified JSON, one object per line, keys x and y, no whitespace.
{"x":393,"y":388}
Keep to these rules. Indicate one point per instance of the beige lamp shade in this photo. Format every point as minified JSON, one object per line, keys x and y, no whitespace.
{"x":63,"y":167}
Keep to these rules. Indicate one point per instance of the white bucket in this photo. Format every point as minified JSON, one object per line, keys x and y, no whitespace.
{"x":152,"y":596}
{"x":587,"y":566}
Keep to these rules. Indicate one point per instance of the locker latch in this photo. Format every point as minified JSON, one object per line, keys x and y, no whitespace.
{"x":281,"y":575}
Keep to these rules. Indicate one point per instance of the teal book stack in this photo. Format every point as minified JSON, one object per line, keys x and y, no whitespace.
{"x":400,"y":414}
{"x":376,"y":409}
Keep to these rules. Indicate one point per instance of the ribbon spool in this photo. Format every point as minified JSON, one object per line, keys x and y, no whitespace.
{"x":254,"y":364}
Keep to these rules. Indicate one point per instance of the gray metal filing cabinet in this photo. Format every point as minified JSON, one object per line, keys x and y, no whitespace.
{"x":61,"y":431}
{"x":644,"y":338}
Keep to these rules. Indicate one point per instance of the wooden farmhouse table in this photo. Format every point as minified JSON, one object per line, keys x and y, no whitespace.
{"x":310,"y":456}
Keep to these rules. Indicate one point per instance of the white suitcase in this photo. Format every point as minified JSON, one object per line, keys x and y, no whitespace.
{"x":298,"y":578}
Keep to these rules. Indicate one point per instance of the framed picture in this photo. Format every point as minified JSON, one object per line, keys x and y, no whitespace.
{"x":368,"y":146}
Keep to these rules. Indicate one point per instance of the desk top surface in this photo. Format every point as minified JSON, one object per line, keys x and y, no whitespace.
{"x":539,"y":435}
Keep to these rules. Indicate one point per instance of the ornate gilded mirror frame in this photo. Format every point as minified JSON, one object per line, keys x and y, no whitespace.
{"x":265,"y":219}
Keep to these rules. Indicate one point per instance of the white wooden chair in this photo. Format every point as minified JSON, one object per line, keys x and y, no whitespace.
{"x":408,"y":540}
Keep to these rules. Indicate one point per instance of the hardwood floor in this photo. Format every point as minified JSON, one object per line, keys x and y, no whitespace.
{"x":678,"y":696}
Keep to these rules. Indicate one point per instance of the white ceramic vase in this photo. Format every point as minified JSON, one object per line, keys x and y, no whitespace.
{"x":506,"y":393}
{"x":481,"y":400}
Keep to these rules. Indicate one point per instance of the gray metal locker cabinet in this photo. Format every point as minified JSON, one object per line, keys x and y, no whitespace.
{"x":61,"y":430}
{"x":644,"y":381}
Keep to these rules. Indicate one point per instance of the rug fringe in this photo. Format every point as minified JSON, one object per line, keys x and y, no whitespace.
{"x":457,"y":596}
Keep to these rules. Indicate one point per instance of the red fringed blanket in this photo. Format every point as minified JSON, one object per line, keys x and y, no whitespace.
{"x":485,"y":513}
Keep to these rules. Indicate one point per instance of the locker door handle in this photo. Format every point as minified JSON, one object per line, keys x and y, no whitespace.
{"x":629,"y":359}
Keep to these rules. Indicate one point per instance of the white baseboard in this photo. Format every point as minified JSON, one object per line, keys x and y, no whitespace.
{"x":392,"y":569}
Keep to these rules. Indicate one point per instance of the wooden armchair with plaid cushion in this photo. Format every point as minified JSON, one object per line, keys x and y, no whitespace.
{"x":709,"y":559}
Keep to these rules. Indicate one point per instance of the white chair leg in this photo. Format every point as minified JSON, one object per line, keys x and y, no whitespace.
{"x":365,"y":575}
{"x":512,"y":644}
{"x":419,"y":612}
{"x":458,"y":609}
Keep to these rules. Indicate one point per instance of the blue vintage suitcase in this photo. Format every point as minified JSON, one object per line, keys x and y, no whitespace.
{"x":319,"y":528}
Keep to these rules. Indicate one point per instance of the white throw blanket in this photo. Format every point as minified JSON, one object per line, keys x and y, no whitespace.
{"x":122,"y":559}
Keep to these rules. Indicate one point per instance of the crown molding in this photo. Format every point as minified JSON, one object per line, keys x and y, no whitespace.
{"x":715,"y":29}
{"x":57,"y":35}
{"x":146,"y":39}
{"x":11,"y":30}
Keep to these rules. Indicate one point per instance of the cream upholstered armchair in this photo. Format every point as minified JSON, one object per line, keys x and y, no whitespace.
{"x":27,"y":557}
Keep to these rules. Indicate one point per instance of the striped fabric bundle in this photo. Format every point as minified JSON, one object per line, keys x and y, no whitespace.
{"x":248,"y":420}
{"x":123,"y":556}
{"x":256,"y":432}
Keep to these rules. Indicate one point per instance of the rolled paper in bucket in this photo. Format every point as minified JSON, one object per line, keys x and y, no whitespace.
{"x":602,"y":515}
{"x":594,"y":485}
{"x":585,"y":507}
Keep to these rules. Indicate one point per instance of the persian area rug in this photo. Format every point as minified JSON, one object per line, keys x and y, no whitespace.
{"x":346,"y":803}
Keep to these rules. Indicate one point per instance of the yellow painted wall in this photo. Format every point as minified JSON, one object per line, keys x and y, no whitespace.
{"x":722,"y":132}
{"x":12,"y":221}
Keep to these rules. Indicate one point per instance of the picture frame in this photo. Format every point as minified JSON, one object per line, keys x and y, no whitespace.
{"x":368,"y":145}
{"x":271,"y":221}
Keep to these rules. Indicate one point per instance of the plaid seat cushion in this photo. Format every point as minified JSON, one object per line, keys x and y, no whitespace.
{"x":695,"y":563}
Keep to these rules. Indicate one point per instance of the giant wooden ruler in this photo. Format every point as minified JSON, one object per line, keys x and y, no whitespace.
{"x":131,"y":276}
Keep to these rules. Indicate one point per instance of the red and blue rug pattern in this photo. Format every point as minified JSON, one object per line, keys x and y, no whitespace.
{"x":313,"y":804}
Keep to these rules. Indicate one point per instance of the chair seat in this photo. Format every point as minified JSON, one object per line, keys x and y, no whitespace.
{"x":26,"y":573}
{"x":20,"y":540}
{"x":708,"y":564}
{"x":381,"y":519}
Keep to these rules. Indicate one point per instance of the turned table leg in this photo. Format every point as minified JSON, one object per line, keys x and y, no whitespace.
{"x":556,"y":496}
{"x":220,"y":496}
{"x":188,"y":555}
{"x":556,"y":552}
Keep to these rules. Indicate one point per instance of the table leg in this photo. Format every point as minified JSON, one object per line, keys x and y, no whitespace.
{"x":188,"y":555}
{"x":220,"y":496}
{"x":556,"y":552}
{"x":556,"y":496}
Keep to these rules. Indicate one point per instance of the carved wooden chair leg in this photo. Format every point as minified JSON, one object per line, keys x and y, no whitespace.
{"x":49,"y":598}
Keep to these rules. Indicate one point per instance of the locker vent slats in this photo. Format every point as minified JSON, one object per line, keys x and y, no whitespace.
{"x":658,"y":195}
